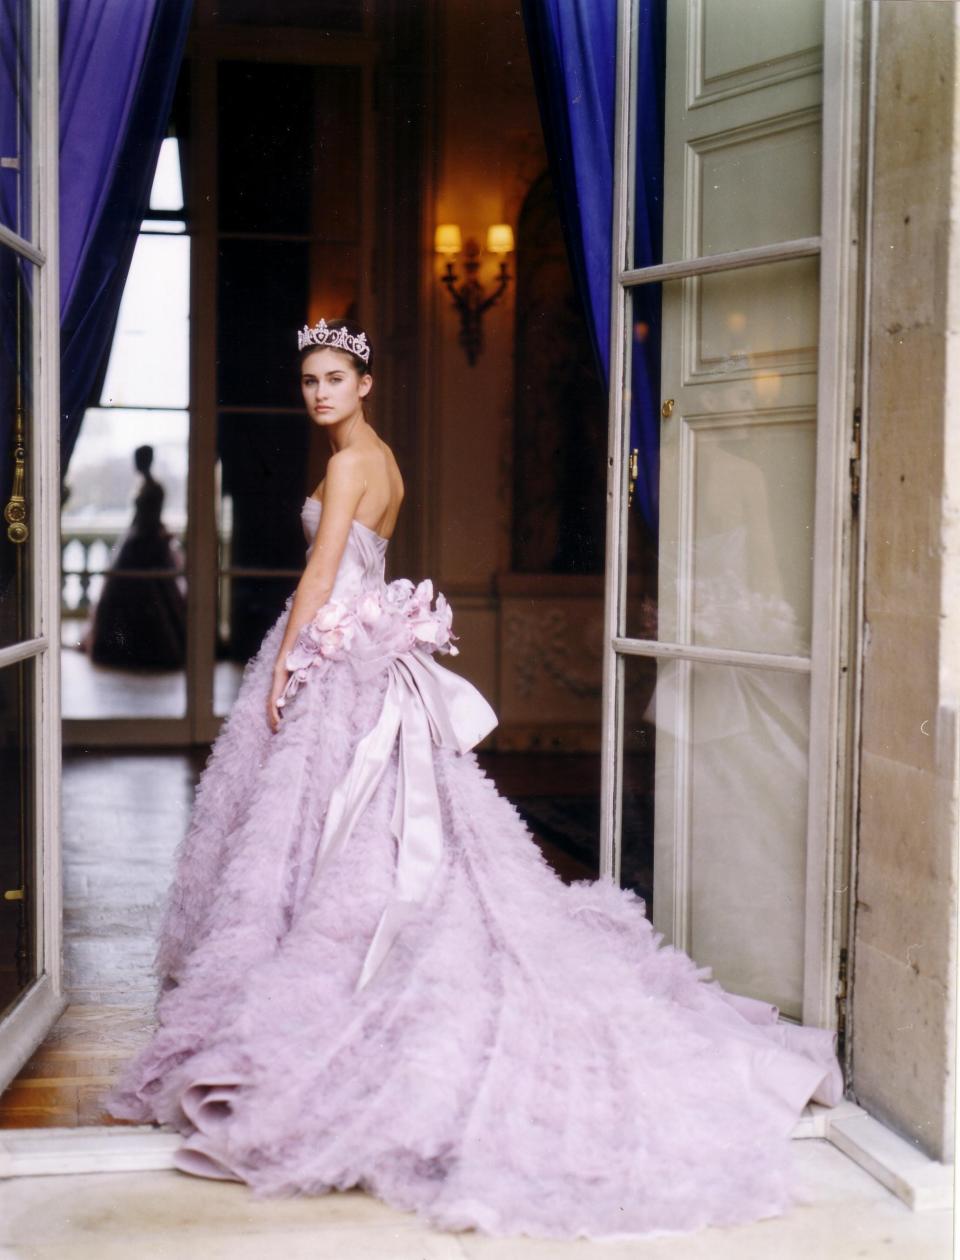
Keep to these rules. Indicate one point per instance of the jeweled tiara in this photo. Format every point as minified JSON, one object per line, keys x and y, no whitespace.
{"x":338,"y":338}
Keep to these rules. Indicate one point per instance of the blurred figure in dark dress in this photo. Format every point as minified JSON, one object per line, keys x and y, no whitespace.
{"x":141,"y":621}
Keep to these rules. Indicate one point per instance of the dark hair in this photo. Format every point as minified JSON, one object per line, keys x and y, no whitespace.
{"x":362,"y":368}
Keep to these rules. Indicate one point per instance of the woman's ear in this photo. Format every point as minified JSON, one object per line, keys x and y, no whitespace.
{"x":365,"y":386}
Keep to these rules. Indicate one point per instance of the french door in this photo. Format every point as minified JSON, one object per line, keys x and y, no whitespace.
{"x":31,"y":994}
{"x":725,"y":630}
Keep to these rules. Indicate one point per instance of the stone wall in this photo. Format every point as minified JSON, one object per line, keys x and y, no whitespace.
{"x":904,"y":987}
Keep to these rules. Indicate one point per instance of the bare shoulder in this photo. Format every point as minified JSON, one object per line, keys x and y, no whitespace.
{"x":345,"y":466}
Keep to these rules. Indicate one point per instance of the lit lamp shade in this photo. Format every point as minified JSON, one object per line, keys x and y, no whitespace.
{"x":500,"y":238}
{"x":447,"y":240}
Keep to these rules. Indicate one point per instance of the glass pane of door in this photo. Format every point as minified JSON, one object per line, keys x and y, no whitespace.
{"x":124,"y":500}
{"x":19,"y":891}
{"x":18,"y":887}
{"x":16,"y":149}
{"x":17,"y":565}
{"x":715,"y":802}
{"x":719,"y":535}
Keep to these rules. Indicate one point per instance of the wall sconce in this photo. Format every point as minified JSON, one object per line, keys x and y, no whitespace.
{"x":470,"y":297}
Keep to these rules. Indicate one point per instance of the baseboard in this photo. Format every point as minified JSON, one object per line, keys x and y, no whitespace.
{"x":922,"y":1183}
{"x":96,"y":1148}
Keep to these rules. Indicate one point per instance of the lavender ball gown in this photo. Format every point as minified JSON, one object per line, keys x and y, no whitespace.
{"x":370,"y":976}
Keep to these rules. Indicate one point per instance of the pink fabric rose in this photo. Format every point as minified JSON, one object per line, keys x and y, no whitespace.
{"x":372,"y":626}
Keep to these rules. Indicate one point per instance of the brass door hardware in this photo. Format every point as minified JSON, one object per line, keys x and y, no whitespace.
{"x":15,"y":513}
{"x":631,"y":484}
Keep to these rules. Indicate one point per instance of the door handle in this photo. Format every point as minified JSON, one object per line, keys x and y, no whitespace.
{"x":667,"y":409}
{"x":15,"y":512}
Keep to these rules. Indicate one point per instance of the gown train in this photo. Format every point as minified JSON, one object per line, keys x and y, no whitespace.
{"x":370,"y":976}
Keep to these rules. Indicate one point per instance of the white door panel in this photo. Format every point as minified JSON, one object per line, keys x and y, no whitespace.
{"x":31,"y":987}
{"x":744,"y":43}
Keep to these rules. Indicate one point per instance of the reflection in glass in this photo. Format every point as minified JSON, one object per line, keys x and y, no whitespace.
{"x":757,"y":322}
{"x":18,"y":962}
{"x":730,"y":563}
{"x":131,"y":624}
{"x":140,"y":617}
{"x":783,"y":161}
{"x":124,"y":508}
{"x":729,"y":820}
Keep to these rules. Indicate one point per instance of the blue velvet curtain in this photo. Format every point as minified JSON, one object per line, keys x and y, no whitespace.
{"x":119,"y":63}
{"x":572,"y":46}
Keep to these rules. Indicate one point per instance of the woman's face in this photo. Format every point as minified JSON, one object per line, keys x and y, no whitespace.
{"x":331,"y":388}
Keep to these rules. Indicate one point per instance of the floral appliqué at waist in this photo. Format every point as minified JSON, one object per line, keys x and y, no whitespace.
{"x":371,"y":628}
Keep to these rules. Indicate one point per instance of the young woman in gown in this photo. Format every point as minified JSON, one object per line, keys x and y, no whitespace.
{"x":370,"y":976}
{"x":141,"y":622}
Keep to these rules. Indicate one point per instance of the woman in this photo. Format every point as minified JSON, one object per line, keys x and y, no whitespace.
{"x":370,"y":976}
{"x":141,"y":622}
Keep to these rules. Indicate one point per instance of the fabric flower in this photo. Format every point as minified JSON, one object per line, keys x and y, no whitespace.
{"x":397,"y":593}
{"x":370,"y":627}
{"x":423,"y":595}
{"x":369,"y":608}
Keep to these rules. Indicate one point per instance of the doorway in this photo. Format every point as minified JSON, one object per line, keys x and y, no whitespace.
{"x":242,"y":439}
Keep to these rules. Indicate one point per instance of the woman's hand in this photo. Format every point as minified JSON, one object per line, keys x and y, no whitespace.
{"x":280,"y":676}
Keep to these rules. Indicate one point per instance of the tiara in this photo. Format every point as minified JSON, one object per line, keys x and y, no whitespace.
{"x":338,"y":338}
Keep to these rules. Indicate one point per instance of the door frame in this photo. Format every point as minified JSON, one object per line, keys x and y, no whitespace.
{"x":834,"y":632}
{"x":24,"y":1025}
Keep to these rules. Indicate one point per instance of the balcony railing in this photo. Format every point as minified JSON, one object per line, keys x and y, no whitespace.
{"x":85,"y":563}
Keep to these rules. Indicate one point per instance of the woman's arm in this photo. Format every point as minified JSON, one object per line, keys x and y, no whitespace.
{"x":343,"y":489}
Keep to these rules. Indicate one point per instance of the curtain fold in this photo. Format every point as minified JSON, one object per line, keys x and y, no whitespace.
{"x":572,"y":46}
{"x":119,"y":63}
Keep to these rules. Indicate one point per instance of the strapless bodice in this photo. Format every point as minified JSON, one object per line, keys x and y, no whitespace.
{"x":362,"y":563}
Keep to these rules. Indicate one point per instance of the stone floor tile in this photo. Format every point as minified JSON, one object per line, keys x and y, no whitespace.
{"x":842,"y":1214}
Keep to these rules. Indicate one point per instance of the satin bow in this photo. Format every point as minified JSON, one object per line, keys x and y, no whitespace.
{"x":426,"y":704}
